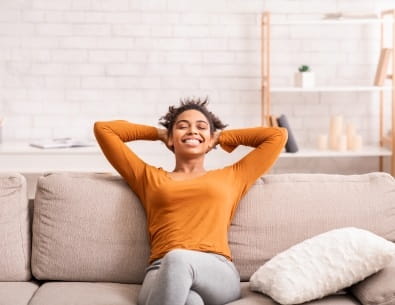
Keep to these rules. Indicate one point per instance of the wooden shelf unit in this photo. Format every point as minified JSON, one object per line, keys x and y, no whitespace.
{"x":333,"y":89}
{"x":368,"y":151}
{"x":387,"y":143}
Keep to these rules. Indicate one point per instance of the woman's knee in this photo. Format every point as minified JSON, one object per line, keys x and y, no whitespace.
{"x":194,"y":298}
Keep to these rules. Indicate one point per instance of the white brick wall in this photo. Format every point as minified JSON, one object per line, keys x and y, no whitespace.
{"x":67,"y":63}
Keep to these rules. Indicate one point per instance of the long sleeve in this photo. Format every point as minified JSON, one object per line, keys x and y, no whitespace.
{"x":112,"y":136}
{"x":268,"y":143}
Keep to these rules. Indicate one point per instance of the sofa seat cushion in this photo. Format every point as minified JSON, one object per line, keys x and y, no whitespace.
{"x":17,"y":293}
{"x":88,"y":227}
{"x":14,"y":229}
{"x":338,"y":299}
{"x":85,"y":293}
{"x":249,"y":297}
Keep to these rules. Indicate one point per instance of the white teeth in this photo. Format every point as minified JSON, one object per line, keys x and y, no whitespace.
{"x":191,"y":141}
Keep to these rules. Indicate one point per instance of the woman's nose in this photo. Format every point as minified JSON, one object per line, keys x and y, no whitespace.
{"x":192,"y":130}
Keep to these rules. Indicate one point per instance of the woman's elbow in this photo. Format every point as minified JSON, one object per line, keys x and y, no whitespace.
{"x":283,"y":135}
{"x":98,"y":128}
{"x":97,"y":125}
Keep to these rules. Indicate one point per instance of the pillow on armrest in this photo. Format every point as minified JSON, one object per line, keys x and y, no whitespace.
{"x":379,"y":289}
{"x":322,"y":265}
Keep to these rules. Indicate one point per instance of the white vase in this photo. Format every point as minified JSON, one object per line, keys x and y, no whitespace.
{"x":304,"y":79}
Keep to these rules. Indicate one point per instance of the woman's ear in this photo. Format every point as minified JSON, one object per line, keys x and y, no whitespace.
{"x":214,"y":139}
{"x":170,"y":143}
{"x":211,"y":143}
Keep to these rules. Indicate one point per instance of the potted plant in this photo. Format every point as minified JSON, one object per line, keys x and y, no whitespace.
{"x":304,"y":78}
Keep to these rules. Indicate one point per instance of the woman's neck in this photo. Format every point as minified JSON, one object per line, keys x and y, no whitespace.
{"x":189,"y":166}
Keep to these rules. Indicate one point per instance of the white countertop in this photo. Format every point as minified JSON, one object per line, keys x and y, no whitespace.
{"x":25,"y":148}
{"x":21,"y":157}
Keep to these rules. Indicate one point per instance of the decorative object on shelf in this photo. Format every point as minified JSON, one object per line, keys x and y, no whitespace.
{"x":340,"y":141}
{"x":304,"y":78}
{"x":322,"y":142}
{"x":357,"y":143}
{"x":382,"y":67}
{"x":291,"y":146}
{"x":354,"y":140}
{"x":350,"y":131}
{"x":335,"y":131}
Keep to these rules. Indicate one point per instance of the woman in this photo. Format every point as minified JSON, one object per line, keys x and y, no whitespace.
{"x":189,"y":210}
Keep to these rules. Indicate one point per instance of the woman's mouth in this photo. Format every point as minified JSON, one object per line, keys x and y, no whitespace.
{"x":192,"y":141}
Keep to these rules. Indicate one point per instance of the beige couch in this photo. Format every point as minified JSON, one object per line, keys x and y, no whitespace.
{"x":86,"y":244}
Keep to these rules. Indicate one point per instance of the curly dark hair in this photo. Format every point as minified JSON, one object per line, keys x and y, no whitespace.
{"x":170,"y":117}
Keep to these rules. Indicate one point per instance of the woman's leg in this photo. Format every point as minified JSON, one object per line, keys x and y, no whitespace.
{"x":194,"y":298}
{"x":211,"y":276}
{"x":149,"y":283}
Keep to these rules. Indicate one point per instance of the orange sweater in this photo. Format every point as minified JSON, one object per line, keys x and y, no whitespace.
{"x":192,"y":214}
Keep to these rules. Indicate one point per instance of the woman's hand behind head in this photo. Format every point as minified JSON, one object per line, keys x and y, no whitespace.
{"x":215,"y":140}
{"x":163,"y":136}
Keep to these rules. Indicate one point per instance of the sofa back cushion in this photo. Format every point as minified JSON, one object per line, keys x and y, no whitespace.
{"x":282,"y":210}
{"x":14,"y":228}
{"x":91,"y":227}
{"x":88,"y":227}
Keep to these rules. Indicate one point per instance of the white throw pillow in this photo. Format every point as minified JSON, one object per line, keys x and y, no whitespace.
{"x":322,"y":265}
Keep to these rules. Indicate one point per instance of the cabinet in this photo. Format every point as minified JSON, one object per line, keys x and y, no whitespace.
{"x":386,"y":94}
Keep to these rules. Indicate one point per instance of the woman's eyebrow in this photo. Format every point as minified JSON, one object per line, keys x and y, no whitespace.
{"x":186,"y":121}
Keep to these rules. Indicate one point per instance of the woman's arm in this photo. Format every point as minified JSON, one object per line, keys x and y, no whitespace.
{"x":268,"y":143}
{"x":112,"y":136}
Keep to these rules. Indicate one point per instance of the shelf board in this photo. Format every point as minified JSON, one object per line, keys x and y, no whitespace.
{"x":332,"y":89}
{"x":332,"y":21}
{"x":368,"y":151}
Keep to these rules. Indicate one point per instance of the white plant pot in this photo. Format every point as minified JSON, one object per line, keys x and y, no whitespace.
{"x":304,"y":79}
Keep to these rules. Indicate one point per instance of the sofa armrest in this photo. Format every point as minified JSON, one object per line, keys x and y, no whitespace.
{"x":378,"y":289}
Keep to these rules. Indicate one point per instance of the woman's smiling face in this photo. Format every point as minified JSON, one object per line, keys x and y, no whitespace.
{"x":191,"y":134}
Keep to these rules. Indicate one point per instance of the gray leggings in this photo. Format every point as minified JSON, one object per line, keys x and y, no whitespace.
{"x":186,"y":277}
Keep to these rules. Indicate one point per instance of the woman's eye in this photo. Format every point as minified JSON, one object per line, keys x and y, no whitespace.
{"x":202,"y":127}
